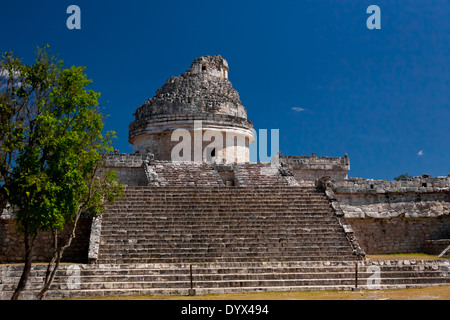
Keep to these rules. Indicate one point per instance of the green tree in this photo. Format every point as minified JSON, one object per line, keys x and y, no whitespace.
{"x":51,"y":152}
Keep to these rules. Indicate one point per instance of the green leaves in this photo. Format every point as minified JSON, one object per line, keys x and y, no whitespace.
{"x":52,"y":144}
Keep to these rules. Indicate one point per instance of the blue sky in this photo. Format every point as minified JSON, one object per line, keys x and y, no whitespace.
{"x":311,"y":69}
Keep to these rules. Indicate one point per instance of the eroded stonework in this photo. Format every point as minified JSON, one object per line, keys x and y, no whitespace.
{"x":396,"y":216}
{"x":203,"y":94}
{"x":196,"y":91}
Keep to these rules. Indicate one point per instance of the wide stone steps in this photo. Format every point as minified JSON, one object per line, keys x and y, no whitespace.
{"x":224,"y":232}
{"x":306,"y":226}
{"x":212,"y":253}
{"x":247,"y":242}
{"x":216,"y":206}
{"x":168,"y":278}
{"x":256,"y":221}
{"x":198,"y":204}
{"x":257,"y":217}
{"x":215,"y":249}
{"x":176,"y":224}
{"x":237,"y":258}
{"x":213,"y":212}
{"x":279,"y":227}
{"x":217,"y":282}
{"x":221,"y":201}
{"x":156,"y":241}
{"x":241,"y":255}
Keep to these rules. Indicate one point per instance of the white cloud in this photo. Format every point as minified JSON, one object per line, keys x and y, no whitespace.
{"x":298,"y":109}
{"x":420,"y":153}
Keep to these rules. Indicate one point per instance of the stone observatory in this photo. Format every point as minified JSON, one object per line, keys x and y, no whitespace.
{"x":216,"y":217}
{"x":196,"y":116}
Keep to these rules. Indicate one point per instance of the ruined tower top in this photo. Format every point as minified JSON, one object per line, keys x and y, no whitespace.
{"x":211,"y":65}
{"x":203,"y":88}
{"x":202,"y":94}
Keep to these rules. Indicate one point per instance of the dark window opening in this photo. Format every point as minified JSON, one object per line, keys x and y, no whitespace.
{"x":210,"y":154}
{"x":204,"y":67}
{"x":371,"y":186}
{"x":424,"y":184}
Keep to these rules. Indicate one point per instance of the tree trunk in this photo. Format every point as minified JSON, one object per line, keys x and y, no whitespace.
{"x":55,"y":249}
{"x":29,"y":243}
{"x":57,"y":255}
{"x":49,"y":279}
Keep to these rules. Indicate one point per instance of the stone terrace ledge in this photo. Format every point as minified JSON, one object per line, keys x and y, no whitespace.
{"x":313,"y":168}
{"x":128,"y":160}
{"x":374,"y":186}
{"x":316,"y":163}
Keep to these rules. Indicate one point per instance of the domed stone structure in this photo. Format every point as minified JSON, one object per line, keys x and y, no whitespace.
{"x":196,"y":116}
{"x":238,"y":218}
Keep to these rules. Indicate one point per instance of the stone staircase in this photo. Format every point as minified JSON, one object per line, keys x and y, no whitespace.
{"x":178,"y":174}
{"x":204,"y":224}
{"x":259,"y":175}
{"x":85,"y":280}
{"x":236,"y":240}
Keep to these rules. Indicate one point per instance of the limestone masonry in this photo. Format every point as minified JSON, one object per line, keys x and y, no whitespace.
{"x":203,"y":93}
{"x":297,"y":223}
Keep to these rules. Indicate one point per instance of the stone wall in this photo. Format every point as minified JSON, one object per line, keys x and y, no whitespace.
{"x":313,"y":168}
{"x":125,"y":160}
{"x":129,"y":167}
{"x":437,"y":247}
{"x":416,"y":197}
{"x":396,"y":216}
{"x":12,"y":246}
{"x":395,"y":204}
{"x":158,"y":136}
{"x":398,"y":235}
{"x":373,"y":186}
{"x":233,"y":146}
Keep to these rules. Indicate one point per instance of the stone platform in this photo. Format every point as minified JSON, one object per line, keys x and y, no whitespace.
{"x":84,"y":280}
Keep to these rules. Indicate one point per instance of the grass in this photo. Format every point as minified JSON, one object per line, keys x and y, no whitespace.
{"x":403,"y":256}
{"x":426,"y":293}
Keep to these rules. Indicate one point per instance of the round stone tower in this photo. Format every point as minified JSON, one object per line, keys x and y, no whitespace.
{"x":196,"y":116}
